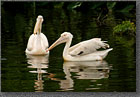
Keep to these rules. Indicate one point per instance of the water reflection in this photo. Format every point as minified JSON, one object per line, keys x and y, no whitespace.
{"x":93,"y":71}
{"x":38,"y":62}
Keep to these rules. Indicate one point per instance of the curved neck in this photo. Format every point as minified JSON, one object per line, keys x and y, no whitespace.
{"x":67,"y":46}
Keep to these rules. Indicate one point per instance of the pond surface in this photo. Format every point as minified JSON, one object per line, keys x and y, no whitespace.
{"x":26,"y":73}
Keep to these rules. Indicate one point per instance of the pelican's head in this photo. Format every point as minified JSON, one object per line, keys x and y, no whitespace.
{"x":38,"y":24}
{"x":63,"y":38}
{"x":40,"y":18}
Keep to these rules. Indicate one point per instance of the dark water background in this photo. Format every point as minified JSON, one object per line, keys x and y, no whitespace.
{"x":19,"y":74}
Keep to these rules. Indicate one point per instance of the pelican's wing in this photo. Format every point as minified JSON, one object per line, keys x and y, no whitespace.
{"x":44,"y":41}
{"x":30,"y":42}
{"x":87,"y":47}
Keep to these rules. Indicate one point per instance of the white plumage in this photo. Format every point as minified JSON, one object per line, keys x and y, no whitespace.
{"x":37,"y":43}
{"x":87,"y":47}
{"x":83,"y":51}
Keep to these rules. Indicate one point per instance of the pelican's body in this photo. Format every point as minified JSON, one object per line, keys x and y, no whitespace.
{"x":37,"y":43}
{"x":83,"y":51}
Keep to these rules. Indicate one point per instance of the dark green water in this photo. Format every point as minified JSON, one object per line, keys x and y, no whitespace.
{"x":21,"y":73}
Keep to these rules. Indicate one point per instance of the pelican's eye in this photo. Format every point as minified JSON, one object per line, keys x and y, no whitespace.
{"x":64,"y":35}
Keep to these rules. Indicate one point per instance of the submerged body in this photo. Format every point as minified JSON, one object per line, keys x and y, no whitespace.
{"x":37,"y":43}
{"x":83,"y":51}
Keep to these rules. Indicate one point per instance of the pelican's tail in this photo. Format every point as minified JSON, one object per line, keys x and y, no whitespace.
{"x":105,"y":45}
{"x":104,"y":41}
{"x":100,"y":43}
{"x":105,"y":52}
{"x":108,"y":50}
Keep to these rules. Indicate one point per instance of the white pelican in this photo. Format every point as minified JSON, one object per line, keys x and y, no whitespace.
{"x":83,"y":51}
{"x":37,"y":43}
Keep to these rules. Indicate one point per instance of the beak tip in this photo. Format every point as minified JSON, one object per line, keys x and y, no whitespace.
{"x":47,"y":50}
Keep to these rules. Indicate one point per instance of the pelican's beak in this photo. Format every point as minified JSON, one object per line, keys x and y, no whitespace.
{"x":57,"y":42}
{"x":38,"y":25}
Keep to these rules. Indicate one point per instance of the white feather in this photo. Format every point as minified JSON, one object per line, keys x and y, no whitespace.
{"x":37,"y":44}
{"x":87,"y":47}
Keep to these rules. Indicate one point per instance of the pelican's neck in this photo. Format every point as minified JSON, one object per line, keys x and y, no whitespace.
{"x":67,"y":46}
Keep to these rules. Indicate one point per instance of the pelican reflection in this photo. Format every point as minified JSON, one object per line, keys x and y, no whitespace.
{"x":93,"y":71}
{"x":38,"y":63}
